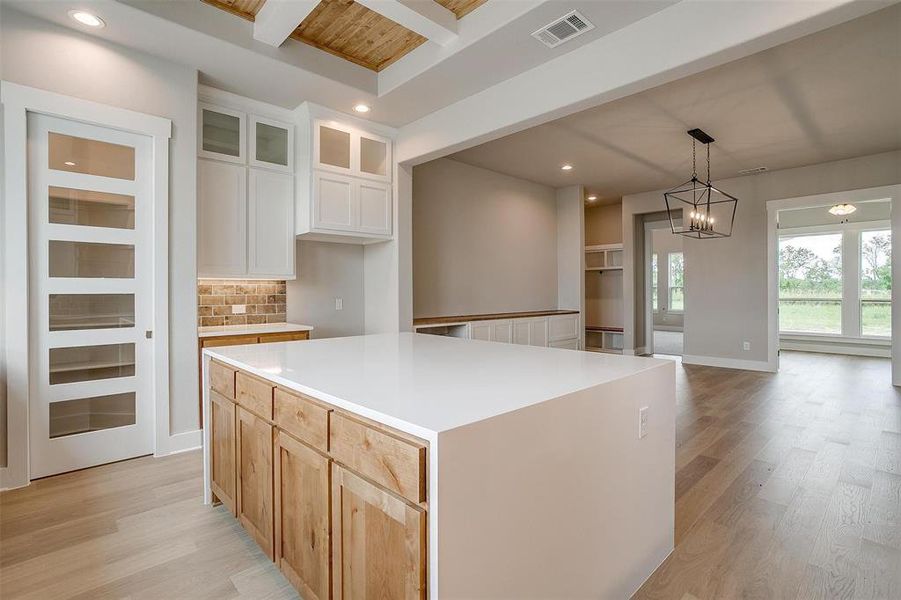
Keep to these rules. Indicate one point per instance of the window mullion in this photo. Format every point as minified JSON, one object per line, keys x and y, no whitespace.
{"x":851,"y":283}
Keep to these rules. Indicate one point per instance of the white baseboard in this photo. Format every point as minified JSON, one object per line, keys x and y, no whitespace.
{"x":181,"y":442}
{"x":728,"y":363}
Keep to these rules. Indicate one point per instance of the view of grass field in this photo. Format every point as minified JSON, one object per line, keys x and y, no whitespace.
{"x":810,"y":283}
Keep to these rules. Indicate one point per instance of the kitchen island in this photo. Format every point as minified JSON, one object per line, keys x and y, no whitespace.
{"x":412,"y":466}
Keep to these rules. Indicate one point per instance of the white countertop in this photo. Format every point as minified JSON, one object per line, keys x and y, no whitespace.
{"x":426,"y":384}
{"x":220,"y":330}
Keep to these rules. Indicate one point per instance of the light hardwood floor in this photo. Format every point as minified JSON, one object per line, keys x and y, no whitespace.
{"x":787,"y":486}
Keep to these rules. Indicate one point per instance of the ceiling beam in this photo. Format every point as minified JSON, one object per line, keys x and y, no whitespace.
{"x":426,"y":17}
{"x":278,"y":18}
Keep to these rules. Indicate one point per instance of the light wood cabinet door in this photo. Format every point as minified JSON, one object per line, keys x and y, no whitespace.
{"x":302,"y":504}
{"x":334,"y":202}
{"x":254,"y":461}
{"x":223,"y":474}
{"x":221,"y":219}
{"x":270,"y":226}
{"x":378,"y":542}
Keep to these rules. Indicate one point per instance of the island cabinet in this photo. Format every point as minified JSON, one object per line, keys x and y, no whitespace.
{"x":337,"y":501}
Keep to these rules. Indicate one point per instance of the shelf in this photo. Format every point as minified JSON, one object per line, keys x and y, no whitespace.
{"x":603,"y":328}
{"x":603,"y":247}
{"x":603,"y":268}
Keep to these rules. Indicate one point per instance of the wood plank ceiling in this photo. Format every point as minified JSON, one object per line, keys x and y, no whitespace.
{"x":350,"y":30}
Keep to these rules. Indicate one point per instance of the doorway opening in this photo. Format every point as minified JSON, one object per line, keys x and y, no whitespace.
{"x":664,"y":289}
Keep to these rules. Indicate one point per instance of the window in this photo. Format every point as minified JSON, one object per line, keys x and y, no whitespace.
{"x":654,"y":281}
{"x":676,"y":282}
{"x":876,"y":283}
{"x":810,"y":283}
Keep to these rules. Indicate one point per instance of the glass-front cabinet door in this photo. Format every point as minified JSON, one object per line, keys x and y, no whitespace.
{"x":375,"y":157}
{"x":221,"y":133}
{"x":271,"y":144}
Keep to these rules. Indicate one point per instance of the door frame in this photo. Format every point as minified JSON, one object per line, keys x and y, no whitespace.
{"x":17,"y":101}
{"x":892,"y":192}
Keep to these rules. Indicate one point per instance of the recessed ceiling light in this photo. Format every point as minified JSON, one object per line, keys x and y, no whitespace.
{"x":841,"y":210}
{"x":362,"y":108}
{"x":86,"y":18}
{"x":69,"y":163}
{"x":567,"y":167}
{"x":592,"y":197}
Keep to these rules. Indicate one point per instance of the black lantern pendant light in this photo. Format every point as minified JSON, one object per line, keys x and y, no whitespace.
{"x":696,"y":208}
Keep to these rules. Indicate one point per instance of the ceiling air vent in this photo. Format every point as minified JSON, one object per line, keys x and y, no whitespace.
{"x":752,"y":171}
{"x":563,"y":29}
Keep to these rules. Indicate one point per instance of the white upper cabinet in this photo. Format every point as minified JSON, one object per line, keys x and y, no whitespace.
{"x":271,"y":144}
{"x":270,"y":224}
{"x":221,"y":133}
{"x":221,"y":219}
{"x":245,"y":190}
{"x":344,"y":172}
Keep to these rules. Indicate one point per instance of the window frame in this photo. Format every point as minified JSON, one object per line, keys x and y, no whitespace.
{"x":852,"y":248}
{"x":669,"y":284}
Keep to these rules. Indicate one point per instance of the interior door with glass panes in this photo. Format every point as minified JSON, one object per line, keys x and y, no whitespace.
{"x":90,"y":295}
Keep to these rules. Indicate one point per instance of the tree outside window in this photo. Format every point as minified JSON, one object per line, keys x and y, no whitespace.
{"x":676,"y":282}
{"x":876,"y":283}
{"x":810,"y":283}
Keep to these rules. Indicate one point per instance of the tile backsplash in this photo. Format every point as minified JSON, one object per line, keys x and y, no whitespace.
{"x":264,"y":302}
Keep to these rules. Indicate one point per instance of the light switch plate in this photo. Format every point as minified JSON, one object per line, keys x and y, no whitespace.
{"x":339,"y":303}
{"x":642,"y":421}
{"x":239,"y":309}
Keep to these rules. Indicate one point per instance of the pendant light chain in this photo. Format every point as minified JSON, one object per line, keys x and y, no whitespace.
{"x":694,"y":166}
{"x":708,"y":164}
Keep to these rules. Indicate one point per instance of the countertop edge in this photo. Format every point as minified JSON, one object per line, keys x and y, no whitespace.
{"x":422,"y":321}
{"x":221,"y":331}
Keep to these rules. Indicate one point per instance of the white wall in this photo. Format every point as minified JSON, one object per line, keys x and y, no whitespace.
{"x":326,"y":271}
{"x":483,"y":242}
{"x":571,"y":248}
{"x":42,"y":55}
{"x":726,"y":280}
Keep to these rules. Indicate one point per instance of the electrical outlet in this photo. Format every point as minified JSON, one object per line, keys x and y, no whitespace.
{"x":239,"y":309}
{"x":746,"y":346}
{"x":642,"y":421}
{"x":339,"y":303}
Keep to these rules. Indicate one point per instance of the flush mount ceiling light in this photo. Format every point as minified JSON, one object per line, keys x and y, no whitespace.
{"x":567,"y":167}
{"x":361,"y":108}
{"x":696,"y":208}
{"x":86,"y":18}
{"x":69,"y":163}
{"x":841,"y":210}
{"x":592,"y":198}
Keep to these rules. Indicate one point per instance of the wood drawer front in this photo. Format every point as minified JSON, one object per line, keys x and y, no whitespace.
{"x":222,"y":379}
{"x":285,"y":337}
{"x":229,"y":340}
{"x":302,"y":417}
{"x":397,"y":464}
{"x":254,"y":394}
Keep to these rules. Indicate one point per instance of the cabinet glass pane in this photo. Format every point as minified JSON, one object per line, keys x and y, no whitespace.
{"x":334,"y":147}
{"x":95,"y":209}
{"x":91,"y":311}
{"x":92,"y":157}
{"x":272,"y":144}
{"x":87,"y":259}
{"x":89,"y":363}
{"x":221,"y":133}
{"x":373,"y":156}
{"x":91,"y":414}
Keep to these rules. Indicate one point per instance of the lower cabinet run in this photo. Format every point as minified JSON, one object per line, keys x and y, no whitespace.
{"x":338,"y":502}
